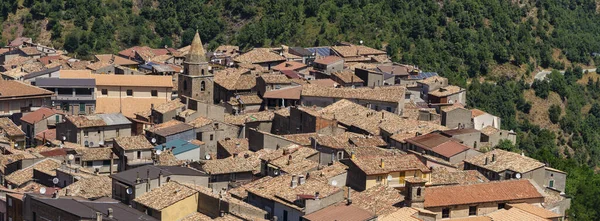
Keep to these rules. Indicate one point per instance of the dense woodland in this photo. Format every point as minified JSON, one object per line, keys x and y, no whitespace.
{"x":462,"y":40}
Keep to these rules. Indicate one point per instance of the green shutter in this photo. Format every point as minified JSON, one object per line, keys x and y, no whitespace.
{"x":81,"y":107}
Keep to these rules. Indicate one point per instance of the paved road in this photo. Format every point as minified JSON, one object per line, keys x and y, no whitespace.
{"x":542,"y":74}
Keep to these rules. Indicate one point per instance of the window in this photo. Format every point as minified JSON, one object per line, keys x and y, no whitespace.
{"x":211,"y":137}
{"x":130,"y":92}
{"x":154,"y":93}
{"x":81,"y":108}
{"x":9,"y":201}
{"x":202,"y":72}
{"x":85,"y":133}
{"x":501,"y":205}
{"x":139,"y":154}
{"x":388,"y":109}
{"x":551,"y":184}
{"x":419,"y":191}
{"x":106,"y":162}
{"x":285,"y":215}
{"x":202,"y":86}
{"x":472,"y":210}
{"x":184,"y":85}
{"x":232,"y":177}
{"x":117,"y":131}
{"x":104,"y":91}
{"x":57,"y":118}
{"x":199,"y":136}
{"x":446,"y":213}
{"x":89,"y":164}
{"x":379,"y":178}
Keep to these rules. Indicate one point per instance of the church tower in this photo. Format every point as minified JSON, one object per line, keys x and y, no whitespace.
{"x":196,"y":82}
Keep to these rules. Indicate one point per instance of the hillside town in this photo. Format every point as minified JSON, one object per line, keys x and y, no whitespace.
{"x":327,"y":133}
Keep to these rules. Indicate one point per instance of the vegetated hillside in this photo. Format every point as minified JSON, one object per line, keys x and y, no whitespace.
{"x":499,"y":40}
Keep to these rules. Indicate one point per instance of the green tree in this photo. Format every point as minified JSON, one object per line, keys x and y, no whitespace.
{"x":554,"y":113}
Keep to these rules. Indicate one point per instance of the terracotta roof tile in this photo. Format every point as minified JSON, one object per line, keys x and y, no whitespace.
{"x":92,"y":154}
{"x":247,"y":99}
{"x":249,"y":117}
{"x":441,"y":176}
{"x":347,"y":76}
{"x":513,"y":214}
{"x":10,"y":128}
{"x":449,"y":148}
{"x":199,"y":122}
{"x":235,"y":145}
{"x":505,"y":160}
{"x":372,"y":164}
{"x":235,"y":79}
{"x":39,"y":114}
{"x":535,"y":210}
{"x":10,"y":89}
{"x":386,"y":94}
{"x":275,"y":79}
{"x":259,"y":55}
{"x":380,"y":200}
{"x":134,"y":143}
{"x":340,"y":212}
{"x":368,"y":141}
{"x":93,"y":187}
{"x":227,"y":165}
{"x":86,"y":121}
{"x":480,"y":193}
{"x":289,"y":65}
{"x":292,"y":93}
{"x":25,"y":175}
{"x":446,"y":91}
{"x":489,"y":130}
{"x":477,"y":113}
{"x":433,"y":80}
{"x":165,"y":196}
{"x":328,"y":60}
{"x":112,"y":59}
{"x":169,"y":106}
{"x":356,"y":50}
{"x":404,"y":213}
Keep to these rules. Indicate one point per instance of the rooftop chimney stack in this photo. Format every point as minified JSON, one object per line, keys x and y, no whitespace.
{"x":348,"y":199}
{"x":486,"y":161}
{"x":294,"y":181}
{"x":98,"y":216}
{"x":352,"y":155}
{"x":110,"y":213}
{"x":316,"y":195}
{"x":301,"y":180}
{"x":382,"y":164}
{"x":493,"y":157}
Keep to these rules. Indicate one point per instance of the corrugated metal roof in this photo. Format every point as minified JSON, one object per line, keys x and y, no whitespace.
{"x":61,"y":82}
{"x":181,"y":146}
{"x":114,"y":119}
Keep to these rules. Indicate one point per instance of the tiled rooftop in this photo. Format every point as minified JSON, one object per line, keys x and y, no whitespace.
{"x":275,"y":79}
{"x":10,"y":128}
{"x":10,"y":89}
{"x":259,"y":55}
{"x":489,"y":130}
{"x":341,"y":212}
{"x":165,"y":195}
{"x":513,"y":214}
{"x":227,"y":165}
{"x":249,"y":117}
{"x":372,"y":164}
{"x":22,"y":176}
{"x":501,"y":160}
{"x":235,"y":79}
{"x":441,"y":176}
{"x":289,"y":65}
{"x":93,"y":187}
{"x":347,"y":76}
{"x":446,"y":91}
{"x":91,"y":154}
{"x":169,"y":106}
{"x":393,"y":94}
{"x":535,"y":210}
{"x":279,"y":189}
{"x":134,"y":143}
{"x":380,"y":200}
{"x":235,"y":145}
{"x":500,"y":191}
{"x":356,"y":50}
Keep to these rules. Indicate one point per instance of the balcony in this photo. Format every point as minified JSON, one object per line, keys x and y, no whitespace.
{"x":70,"y":97}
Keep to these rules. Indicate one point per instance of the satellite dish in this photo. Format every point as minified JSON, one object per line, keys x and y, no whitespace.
{"x":71,"y":157}
{"x":158,"y":152}
{"x":153,"y":140}
{"x":64,"y":138}
{"x":16,"y":144}
{"x":518,"y":176}
{"x":276,"y":172}
{"x":101,"y":143}
{"x":55,"y":180}
{"x":129,"y":191}
{"x":389,"y":178}
{"x":207,"y":157}
{"x":361,"y":42}
{"x":334,"y":183}
{"x":43,"y":190}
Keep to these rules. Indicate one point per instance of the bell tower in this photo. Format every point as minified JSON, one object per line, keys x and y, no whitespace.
{"x":415,"y":192}
{"x":196,"y":82}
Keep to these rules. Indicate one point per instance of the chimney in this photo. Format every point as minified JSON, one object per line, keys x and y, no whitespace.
{"x":55,"y":194}
{"x":160,"y":178}
{"x":382,"y":163}
{"x":98,"y":216}
{"x":348,"y":199}
{"x":294,"y":181}
{"x":301,"y":180}
{"x":274,"y":218}
{"x":316,"y":195}
{"x":493,"y":157}
{"x":67,"y":192}
{"x":382,"y":115}
{"x":138,"y":180}
{"x":289,"y":160}
{"x":111,"y":162}
{"x":352,"y":155}
{"x":110,"y":213}
{"x":221,"y":213}
{"x":164,"y":147}
{"x":486,"y":161}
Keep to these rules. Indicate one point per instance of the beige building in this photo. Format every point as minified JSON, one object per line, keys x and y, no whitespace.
{"x":367,"y":171}
{"x":388,"y":98}
{"x":126,"y":94}
{"x":19,"y":97}
{"x":459,"y":201}
{"x":197,"y":81}
{"x":11,"y":134}
{"x":93,"y":130}
{"x":134,"y":151}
